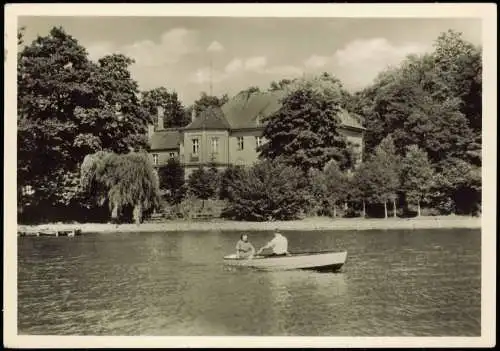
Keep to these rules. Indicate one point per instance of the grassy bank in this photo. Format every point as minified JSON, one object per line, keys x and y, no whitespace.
{"x":318,"y":223}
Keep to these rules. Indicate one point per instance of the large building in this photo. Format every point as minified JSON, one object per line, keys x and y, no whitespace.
{"x":230,"y":134}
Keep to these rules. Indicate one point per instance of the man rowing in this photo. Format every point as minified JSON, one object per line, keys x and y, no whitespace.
{"x":279,"y":245}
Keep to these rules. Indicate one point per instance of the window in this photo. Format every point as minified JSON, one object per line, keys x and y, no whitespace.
{"x":215,"y":145}
{"x":258,"y":141}
{"x":171,"y":155}
{"x":240,"y":143}
{"x":155,"y":159}
{"x":258,"y":120}
{"x":196,"y":146}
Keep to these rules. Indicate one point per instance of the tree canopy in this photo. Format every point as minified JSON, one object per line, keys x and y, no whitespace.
{"x":174,"y":113}
{"x":304,"y":131}
{"x":69,"y":106}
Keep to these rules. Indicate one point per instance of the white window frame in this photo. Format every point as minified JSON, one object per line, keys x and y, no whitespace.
{"x":215,"y":145}
{"x":240,"y":143}
{"x":171,"y":154}
{"x":155,"y":159}
{"x":195,"y":146}
{"x":258,"y":141}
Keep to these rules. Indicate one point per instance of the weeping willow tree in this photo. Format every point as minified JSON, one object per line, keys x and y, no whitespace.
{"x":121,"y":181}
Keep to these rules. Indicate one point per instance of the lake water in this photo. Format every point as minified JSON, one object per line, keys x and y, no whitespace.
{"x":395,"y":283}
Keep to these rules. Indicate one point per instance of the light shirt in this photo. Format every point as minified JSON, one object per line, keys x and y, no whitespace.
{"x":279,"y":244}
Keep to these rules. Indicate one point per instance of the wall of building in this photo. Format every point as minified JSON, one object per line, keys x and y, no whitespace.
{"x":249,"y":154}
{"x":163,"y":156}
{"x":205,"y":154}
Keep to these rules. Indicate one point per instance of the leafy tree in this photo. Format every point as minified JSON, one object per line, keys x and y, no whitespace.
{"x":175,"y":114}
{"x":202,"y":184}
{"x":457,"y":187}
{"x":304,"y":131}
{"x":121,"y":181}
{"x":69,"y":106}
{"x":268,"y":191}
{"x":390,"y":164}
{"x":250,"y":90}
{"x":336,"y":185}
{"x":171,"y":178}
{"x":227,"y":180}
{"x":416,"y":176}
{"x":280,"y":85}
{"x":206,"y":101}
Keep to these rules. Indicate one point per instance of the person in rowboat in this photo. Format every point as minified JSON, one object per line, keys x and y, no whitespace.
{"x":279,"y":245}
{"x":244,"y":249}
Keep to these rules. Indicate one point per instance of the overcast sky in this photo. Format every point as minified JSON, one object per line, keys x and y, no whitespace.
{"x":176,"y":52}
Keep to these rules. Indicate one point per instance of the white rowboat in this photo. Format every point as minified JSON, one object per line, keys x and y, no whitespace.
{"x":319,"y":261}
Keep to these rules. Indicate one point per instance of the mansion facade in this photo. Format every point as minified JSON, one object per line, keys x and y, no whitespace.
{"x":229,"y":135}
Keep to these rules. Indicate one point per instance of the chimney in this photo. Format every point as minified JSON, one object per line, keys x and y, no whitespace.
{"x":193,"y":114}
{"x":161,"y":112}
{"x":151,"y":131}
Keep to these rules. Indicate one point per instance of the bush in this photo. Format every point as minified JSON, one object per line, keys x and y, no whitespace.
{"x":268,"y":191}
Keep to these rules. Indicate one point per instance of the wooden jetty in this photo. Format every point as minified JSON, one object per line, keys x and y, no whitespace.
{"x":70,"y":232}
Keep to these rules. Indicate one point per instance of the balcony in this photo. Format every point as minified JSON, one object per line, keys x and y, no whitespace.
{"x":194,"y":158}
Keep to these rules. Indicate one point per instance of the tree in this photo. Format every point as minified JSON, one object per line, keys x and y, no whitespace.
{"x":336,"y":185}
{"x":390,"y":164}
{"x":175,"y":114}
{"x":206,"y":101}
{"x":416,"y":176}
{"x":171,"y":177}
{"x":250,"y":90}
{"x":280,"y":85}
{"x":227,"y":180}
{"x":69,"y":106}
{"x":304,"y":131}
{"x":122,"y":181}
{"x":268,"y":191}
{"x":457,"y":187}
{"x":202,"y":184}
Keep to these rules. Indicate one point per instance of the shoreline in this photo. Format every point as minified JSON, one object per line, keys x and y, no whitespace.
{"x":308,"y":224}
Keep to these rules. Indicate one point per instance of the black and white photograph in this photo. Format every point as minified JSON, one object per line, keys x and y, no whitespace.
{"x":324,"y":173}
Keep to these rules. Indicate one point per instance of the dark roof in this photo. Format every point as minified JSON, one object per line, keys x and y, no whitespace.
{"x":243,"y":110}
{"x":210,"y":118}
{"x":165,"y":139}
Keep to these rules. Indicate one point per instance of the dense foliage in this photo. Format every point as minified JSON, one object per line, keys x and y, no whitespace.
{"x":304,"y":131}
{"x":172,"y":180}
{"x":82,"y":127}
{"x":123,"y":182}
{"x":68,"y":107}
{"x":175,"y":114}
{"x":268,"y":191}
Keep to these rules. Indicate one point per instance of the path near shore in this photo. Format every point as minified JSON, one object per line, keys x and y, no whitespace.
{"x":320,"y":223}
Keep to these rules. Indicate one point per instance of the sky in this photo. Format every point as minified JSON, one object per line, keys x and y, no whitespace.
{"x":177,"y":52}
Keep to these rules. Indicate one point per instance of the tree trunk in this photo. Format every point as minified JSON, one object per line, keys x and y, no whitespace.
{"x":418,"y":208}
{"x":114,"y":213}
{"x":364,"y":209}
{"x":346,"y":206}
{"x":394,"y":208}
{"x":334,"y":211}
{"x":385,"y":209}
{"x":137,"y":213}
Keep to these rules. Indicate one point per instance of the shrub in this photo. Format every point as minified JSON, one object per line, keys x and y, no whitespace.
{"x":268,"y":191}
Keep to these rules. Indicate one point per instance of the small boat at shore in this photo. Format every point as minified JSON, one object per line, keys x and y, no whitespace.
{"x":318,"y":261}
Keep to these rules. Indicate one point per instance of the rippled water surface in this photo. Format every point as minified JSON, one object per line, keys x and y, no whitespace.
{"x":395,"y":283}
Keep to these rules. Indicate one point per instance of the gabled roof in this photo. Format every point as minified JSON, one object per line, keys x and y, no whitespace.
{"x":210,"y":118}
{"x":165,"y":139}
{"x":244,"y":110}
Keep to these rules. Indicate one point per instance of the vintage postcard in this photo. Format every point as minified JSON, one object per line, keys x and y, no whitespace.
{"x":250,"y":175}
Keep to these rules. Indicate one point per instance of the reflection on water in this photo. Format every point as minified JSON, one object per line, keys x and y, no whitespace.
{"x":395,"y":283}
